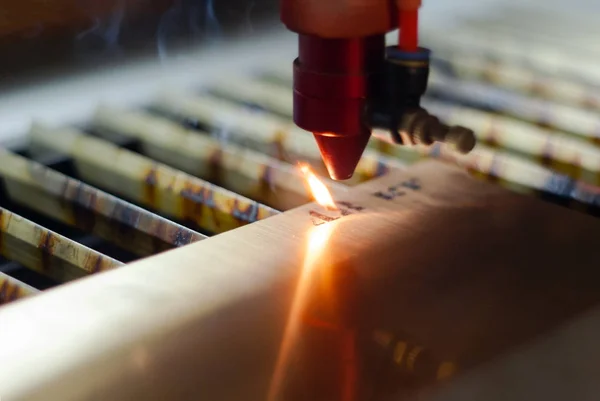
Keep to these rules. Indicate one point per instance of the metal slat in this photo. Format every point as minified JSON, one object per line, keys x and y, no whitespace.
{"x":514,"y":173}
{"x":561,"y":152}
{"x":276,"y":136}
{"x":150,"y":183}
{"x":579,"y":122}
{"x":74,"y":203}
{"x":545,"y":59}
{"x":46,"y":252}
{"x":472,"y":65}
{"x":243,"y":171}
{"x":12,"y":289}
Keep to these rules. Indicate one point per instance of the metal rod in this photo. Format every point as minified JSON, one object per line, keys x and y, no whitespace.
{"x":46,"y":252}
{"x":249,"y":173}
{"x":472,"y":65}
{"x":510,"y":171}
{"x":12,"y":289}
{"x":576,"y":121}
{"x":547,"y":59}
{"x":149,"y":183}
{"x":72,"y":202}
{"x":561,"y":152}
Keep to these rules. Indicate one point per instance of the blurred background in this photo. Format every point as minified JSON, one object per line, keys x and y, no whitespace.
{"x":130,"y":97}
{"x":42,"y":36}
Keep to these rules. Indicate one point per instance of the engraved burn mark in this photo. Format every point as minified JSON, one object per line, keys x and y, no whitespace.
{"x":215,"y":166}
{"x":8,"y":292}
{"x":344,"y":209}
{"x":46,"y":247}
{"x":150,"y":183}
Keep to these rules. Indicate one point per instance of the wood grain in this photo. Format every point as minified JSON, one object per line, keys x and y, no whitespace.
{"x":428,"y":252}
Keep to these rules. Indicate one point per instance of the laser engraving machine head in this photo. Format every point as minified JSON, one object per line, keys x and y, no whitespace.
{"x":347,"y":83}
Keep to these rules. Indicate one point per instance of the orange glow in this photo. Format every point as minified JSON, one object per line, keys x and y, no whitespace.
{"x":318,"y":190}
{"x":317,"y":241}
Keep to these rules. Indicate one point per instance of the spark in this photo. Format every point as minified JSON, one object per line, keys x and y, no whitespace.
{"x":318,"y":189}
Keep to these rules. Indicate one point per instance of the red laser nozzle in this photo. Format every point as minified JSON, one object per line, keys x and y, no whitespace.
{"x":341,"y":153}
{"x":331,"y":86}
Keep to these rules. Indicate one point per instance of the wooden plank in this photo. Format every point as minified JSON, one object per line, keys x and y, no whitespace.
{"x":72,"y":202}
{"x":46,"y":252}
{"x":150,"y":183}
{"x":430,"y":253}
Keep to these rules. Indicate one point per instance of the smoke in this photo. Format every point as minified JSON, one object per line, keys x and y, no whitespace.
{"x":195,"y":19}
{"x":248,"y":15}
{"x":104,"y":34}
{"x":165,"y":27}
{"x":213,"y":27}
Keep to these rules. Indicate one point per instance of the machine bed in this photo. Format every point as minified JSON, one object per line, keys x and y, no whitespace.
{"x":196,"y":156}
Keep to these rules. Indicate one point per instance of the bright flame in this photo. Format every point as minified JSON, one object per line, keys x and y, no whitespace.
{"x":319,"y":191}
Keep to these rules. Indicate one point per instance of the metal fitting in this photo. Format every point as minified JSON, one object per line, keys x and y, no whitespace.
{"x":418,"y":127}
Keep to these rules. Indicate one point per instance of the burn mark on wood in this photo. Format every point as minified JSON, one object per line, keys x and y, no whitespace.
{"x":1,"y":229}
{"x":95,"y":264}
{"x":382,"y":169}
{"x":181,"y":237}
{"x":150,"y":190}
{"x":46,"y":246}
{"x":215,"y":169}
{"x":192,"y":203}
{"x":278,"y":145}
{"x":8,"y":292}
{"x":246,"y":212}
{"x":396,"y":191}
{"x":320,"y":218}
{"x":351,"y":206}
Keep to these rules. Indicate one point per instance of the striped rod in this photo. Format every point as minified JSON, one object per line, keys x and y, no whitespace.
{"x":12,"y":289}
{"x":46,"y":252}
{"x":79,"y":205}
{"x":512,"y":172}
{"x":247,"y":172}
{"x":273,"y":135}
{"x":149,"y":183}
{"x":471,"y":65}
{"x":563,"y":153}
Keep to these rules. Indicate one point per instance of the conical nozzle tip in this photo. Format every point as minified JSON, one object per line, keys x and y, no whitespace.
{"x":342,"y":153}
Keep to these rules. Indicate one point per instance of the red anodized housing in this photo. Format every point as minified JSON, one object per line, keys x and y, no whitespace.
{"x":331,"y":86}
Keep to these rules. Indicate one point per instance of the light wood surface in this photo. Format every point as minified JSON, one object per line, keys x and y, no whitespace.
{"x":428,"y":252}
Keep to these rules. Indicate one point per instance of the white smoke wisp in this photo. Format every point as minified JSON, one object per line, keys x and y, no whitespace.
{"x":108,"y":32}
{"x":193,"y":19}
{"x":165,"y":27}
